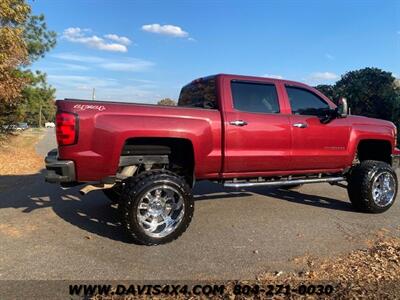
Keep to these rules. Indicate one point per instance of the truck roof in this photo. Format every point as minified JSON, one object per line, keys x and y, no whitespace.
{"x":252,"y":78}
{"x":226,"y":75}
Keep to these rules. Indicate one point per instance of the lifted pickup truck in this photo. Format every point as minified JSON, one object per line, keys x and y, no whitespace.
{"x":239,"y":131}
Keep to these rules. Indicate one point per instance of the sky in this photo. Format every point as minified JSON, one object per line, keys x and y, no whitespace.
{"x":143,"y":51}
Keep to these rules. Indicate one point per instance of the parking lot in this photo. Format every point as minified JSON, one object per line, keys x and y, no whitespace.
{"x":50,"y":233}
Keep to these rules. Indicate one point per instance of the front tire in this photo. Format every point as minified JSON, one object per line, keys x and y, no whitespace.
{"x":156,"y":206}
{"x":372,"y":186}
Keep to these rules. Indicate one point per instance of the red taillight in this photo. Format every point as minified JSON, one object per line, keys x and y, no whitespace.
{"x":66,"y":128}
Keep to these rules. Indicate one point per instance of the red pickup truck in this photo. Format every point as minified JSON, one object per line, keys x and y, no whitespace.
{"x":240,"y":131}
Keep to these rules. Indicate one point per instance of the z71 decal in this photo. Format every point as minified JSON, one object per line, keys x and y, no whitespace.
{"x":92,"y":107}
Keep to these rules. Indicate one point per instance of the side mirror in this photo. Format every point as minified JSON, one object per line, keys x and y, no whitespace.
{"x":342,"y":108}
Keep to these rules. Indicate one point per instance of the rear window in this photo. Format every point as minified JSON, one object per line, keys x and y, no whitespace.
{"x":201,"y":93}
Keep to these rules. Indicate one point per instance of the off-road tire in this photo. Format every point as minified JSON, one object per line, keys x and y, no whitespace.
{"x":360,"y":183}
{"x":135,"y":187}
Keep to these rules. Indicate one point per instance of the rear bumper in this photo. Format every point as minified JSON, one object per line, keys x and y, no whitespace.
{"x":59,"y":171}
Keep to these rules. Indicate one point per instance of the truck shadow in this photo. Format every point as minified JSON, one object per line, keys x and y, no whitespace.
{"x":211,"y":191}
{"x":94,"y":213}
{"x":307,"y":199}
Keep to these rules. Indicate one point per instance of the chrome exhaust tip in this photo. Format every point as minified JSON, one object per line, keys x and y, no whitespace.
{"x":93,"y":187}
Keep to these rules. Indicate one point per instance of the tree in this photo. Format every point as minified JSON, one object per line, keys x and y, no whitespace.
{"x":24,"y":38}
{"x":37,"y":97}
{"x":13,"y":50}
{"x":370,"y":92}
{"x":38,"y":39}
{"x":167,"y":101}
{"x":327,"y":90}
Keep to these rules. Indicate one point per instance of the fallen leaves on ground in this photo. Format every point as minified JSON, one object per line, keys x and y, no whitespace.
{"x":18,"y":156}
{"x":369,"y":273}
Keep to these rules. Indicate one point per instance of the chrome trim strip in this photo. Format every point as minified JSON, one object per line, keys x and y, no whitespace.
{"x":284,"y":182}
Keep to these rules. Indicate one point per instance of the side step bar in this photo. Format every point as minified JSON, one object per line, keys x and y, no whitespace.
{"x":283,"y":182}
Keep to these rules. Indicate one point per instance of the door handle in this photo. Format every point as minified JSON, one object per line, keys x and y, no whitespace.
{"x":238,"y":123}
{"x":300,"y":125}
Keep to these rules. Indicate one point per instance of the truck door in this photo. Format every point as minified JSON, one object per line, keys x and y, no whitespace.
{"x":316,"y":145}
{"x":257,"y":133}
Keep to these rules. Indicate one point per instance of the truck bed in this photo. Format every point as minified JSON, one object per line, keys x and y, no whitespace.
{"x":105,"y":126}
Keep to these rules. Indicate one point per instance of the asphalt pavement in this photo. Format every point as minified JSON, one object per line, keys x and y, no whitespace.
{"x":50,"y":233}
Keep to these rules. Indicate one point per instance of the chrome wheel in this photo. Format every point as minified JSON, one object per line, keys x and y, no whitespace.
{"x":384,"y":189}
{"x":160,"y":211}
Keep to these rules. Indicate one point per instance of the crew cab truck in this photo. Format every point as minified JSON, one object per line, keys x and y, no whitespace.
{"x":240,"y":131}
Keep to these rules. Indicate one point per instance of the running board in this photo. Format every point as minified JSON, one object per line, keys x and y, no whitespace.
{"x":283,"y":182}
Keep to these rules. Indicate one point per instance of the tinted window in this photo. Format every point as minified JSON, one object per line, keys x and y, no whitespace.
{"x":255,"y":97}
{"x":200,"y":93}
{"x":304,"y":102}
